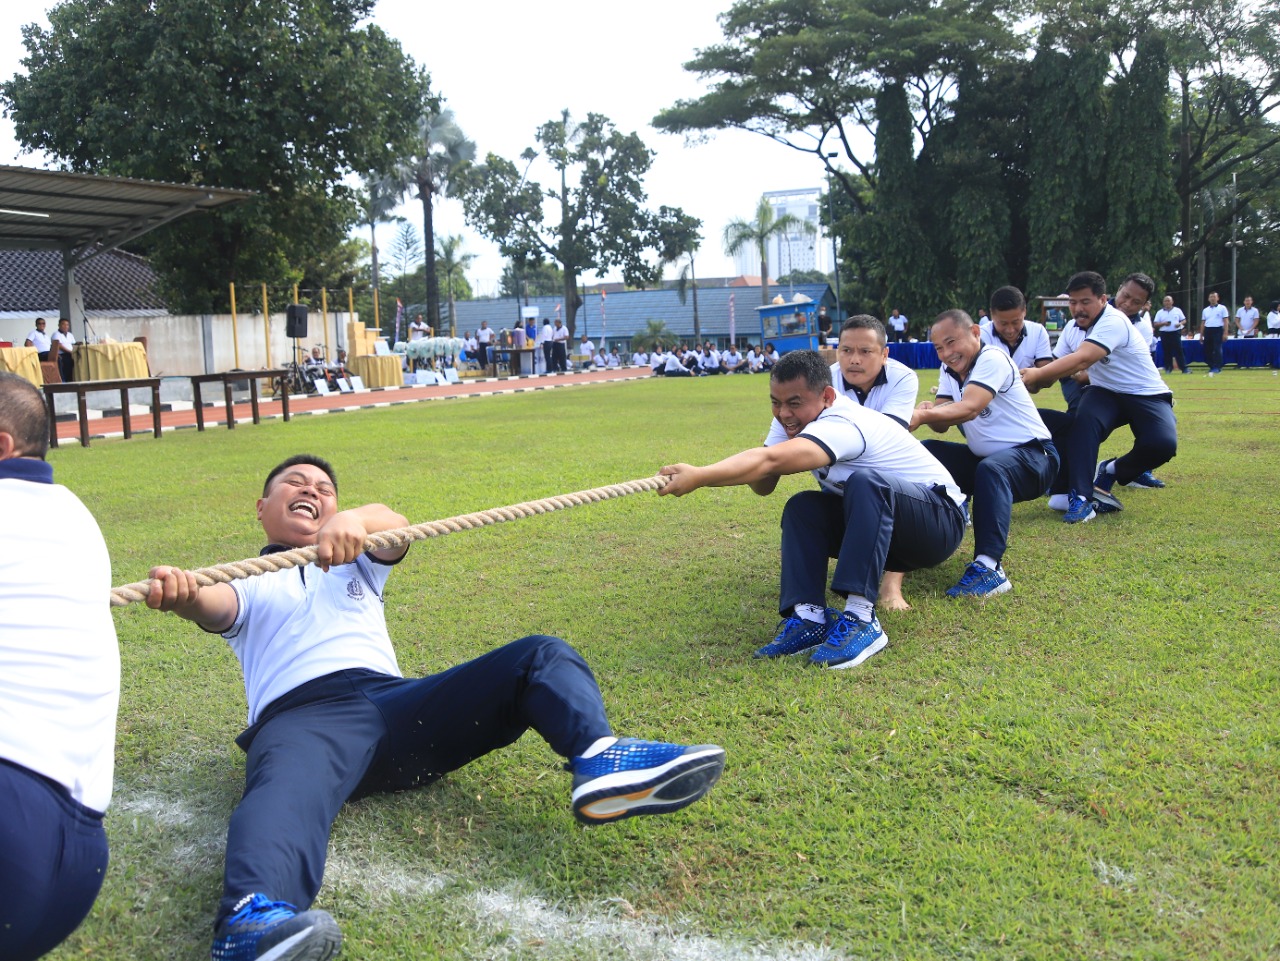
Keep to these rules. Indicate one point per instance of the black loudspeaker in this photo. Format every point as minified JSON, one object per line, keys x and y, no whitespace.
{"x":295,"y":321}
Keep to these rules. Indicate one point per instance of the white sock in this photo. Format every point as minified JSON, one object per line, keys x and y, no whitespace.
{"x":859,"y":607}
{"x":601,"y":744}
{"x":1058,"y":502}
{"x":1111,"y":467}
{"x":811,"y":612}
{"x":990,"y":563}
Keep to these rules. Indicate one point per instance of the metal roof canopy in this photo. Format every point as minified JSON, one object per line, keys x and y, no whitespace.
{"x":84,"y":214}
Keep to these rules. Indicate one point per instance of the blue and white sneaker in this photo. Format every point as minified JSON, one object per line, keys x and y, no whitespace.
{"x":796,"y":635}
{"x":1104,"y":479}
{"x":264,"y":930}
{"x":979,"y":580}
{"x":1146,"y":479}
{"x":642,"y":777}
{"x":1079,"y":510}
{"x":850,"y":642}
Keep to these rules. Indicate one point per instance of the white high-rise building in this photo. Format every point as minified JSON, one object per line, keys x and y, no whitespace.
{"x":794,"y":250}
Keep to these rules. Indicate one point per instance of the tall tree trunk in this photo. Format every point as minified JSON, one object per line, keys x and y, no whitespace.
{"x":697,"y":324}
{"x":429,"y":241}
{"x":764,"y":272}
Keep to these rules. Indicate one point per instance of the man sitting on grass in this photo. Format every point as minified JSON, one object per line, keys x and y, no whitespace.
{"x":1009,"y":455}
{"x":885,"y":503}
{"x":330,"y":716}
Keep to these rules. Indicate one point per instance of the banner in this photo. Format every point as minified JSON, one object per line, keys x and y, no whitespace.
{"x":732,"y":325}
{"x":604,"y":324}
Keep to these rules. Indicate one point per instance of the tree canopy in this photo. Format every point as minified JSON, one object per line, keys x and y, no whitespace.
{"x":596,"y":205}
{"x":283,"y":98}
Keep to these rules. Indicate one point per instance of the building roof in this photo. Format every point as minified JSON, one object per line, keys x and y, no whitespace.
{"x":112,"y":283}
{"x":627,"y":313}
{"x":56,"y":210}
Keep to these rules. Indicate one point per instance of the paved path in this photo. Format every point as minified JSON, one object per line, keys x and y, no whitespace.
{"x":215,"y":414}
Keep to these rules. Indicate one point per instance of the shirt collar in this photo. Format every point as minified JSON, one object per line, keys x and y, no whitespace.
{"x":27,"y":469}
{"x":882,"y":378}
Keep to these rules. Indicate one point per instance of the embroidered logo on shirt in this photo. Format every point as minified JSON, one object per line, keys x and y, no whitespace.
{"x":985,"y":412}
{"x":355,"y":590}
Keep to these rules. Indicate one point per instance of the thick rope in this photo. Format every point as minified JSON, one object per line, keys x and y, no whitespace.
{"x":301,"y":557}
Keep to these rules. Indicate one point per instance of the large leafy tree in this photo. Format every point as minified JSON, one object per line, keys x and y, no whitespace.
{"x":807,"y":73}
{"x":280,"y":97}
{"x":595,"y":204}
{"x":440,"y":154}
{"x":740,"y":234}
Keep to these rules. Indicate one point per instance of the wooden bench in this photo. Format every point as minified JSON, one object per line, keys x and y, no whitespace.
{"x":227,"y":379}
{"x":82,"y":387}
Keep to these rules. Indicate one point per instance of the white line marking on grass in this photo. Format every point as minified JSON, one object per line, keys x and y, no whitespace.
{"x":602,"y":930}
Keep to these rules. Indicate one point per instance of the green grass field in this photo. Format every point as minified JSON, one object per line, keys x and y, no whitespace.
{"x":1083,"y":768}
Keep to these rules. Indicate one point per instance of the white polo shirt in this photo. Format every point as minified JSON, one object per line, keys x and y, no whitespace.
{"x":1010,"y":418}
{"x":858,"y":438}
{"x":1214,"y":315}
{"x":898,"y":323}
{"x":59,"y":660}
{"x":484,"y":335}
{"x":1070,"y":338}
{"x":1169,"y":321}
{"x":1247,"y":318}
{"x":418,"y":329}
{"x":296,"y":625}
{"x":560,"y":334}
{"x":1142,"y":324}
{"x":67,"y":340}
{"x":639,"y":359}
{"x":1032,"y":344}
{"x":1273,"y":320}
{"x":893,"y":392}
{"x":40,"y":340}
{"x":588,"y":348}
{"x":1127,"y":367}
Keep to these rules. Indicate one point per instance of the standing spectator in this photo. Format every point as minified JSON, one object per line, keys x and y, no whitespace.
{"x":824,"y":327}
{"x":66,"y":359}
{"x":1168,"y":323}
{"x":983,"y":319}
{"x":1273,"y":320}
{"x":560,"y":337}
{"x":59,"y":690}
{"x":1247,"y":319}
{"x":897,"y":326}
{"x":418,"y":329}
{"x":1213,"y":327}
{"x":40,"y":340}
{"x":546,"y":340}
{"x":484,"y":337}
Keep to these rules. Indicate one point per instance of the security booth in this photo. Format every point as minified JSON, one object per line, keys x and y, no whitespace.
{"x":790,"y":326}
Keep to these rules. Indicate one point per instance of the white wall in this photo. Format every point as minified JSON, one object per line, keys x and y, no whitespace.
{"x":176,"y":344}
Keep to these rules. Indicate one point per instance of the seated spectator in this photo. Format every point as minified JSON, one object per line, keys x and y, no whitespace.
{"x":680,"y":364}
{"x":658,"y":360}
{"x":733,"y":362}
{"x":770,"y":357}
{"x":600,"y":359}
{"x":639,"y":358}
{"x":709,"y":360}
{"x":40,"y":340}
{"x":613,"y":360}
{"x":755,"y":359}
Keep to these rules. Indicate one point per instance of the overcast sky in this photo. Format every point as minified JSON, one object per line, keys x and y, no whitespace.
{"x":505,"y":68}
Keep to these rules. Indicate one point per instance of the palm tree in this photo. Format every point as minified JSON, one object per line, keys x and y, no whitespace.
{"x":739,"y":234}
{"x":655,"y":332}
{"x":442,"y":152}
{"x":377,"y":200}
{"x":687,"y":280}
{"x":453,"y":263}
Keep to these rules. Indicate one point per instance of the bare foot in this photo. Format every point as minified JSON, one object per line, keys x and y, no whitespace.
{"x":891,"y":598}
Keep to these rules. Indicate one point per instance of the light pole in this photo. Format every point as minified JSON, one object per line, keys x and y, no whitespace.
{"x":835,"y":257}
{"x":1235,"y":245}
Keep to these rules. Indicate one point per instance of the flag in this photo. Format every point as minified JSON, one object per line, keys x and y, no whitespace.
{"x":399,"y":318}
{"x":732,"y":325}
{"x":603,"y":323}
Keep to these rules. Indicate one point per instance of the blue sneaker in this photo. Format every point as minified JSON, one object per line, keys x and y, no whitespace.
{"x":1146,"y":479}
{"x":642,"y":777}
{"x":979,"y":580}
{"x":1104,"y":479}
{"x":795,"y":635}
{"x":1079,"y":510}
{"x":263,"y":930}
{"x":850,"y":642}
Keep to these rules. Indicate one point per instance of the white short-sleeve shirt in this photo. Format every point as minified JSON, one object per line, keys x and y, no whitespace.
{"x":893,"y":393}
{"x":1127,"y":367}
{"x":59,"y":660}
{"x":40,"y":340}
{"x":1214,"y":315}
{"x":857,"y":438}
{"x":1032,"y":344}
{"x":296,"y":625}
{"x":1247,"y":318}
{"x":1169,"y":321}
{"x":1010,"y":418}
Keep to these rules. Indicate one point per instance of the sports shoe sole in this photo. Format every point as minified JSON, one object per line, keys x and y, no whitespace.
{"x":319,"y":941}
{"x":670,"y":787}
{"x":875,"y":647}
{"x":1105,"y":503}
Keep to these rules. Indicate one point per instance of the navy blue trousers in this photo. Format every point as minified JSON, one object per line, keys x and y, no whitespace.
{"x":1059,"y":423}
{"x":53,"y":858}
{"x":354,"y":733}
{"x":880,"y":523}
{"x":1101,"y":411}
{"x":1212,"y":338}
{"x":996,"y":482}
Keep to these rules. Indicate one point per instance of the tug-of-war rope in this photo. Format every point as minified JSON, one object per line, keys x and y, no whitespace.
{"x":398,"y":537}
